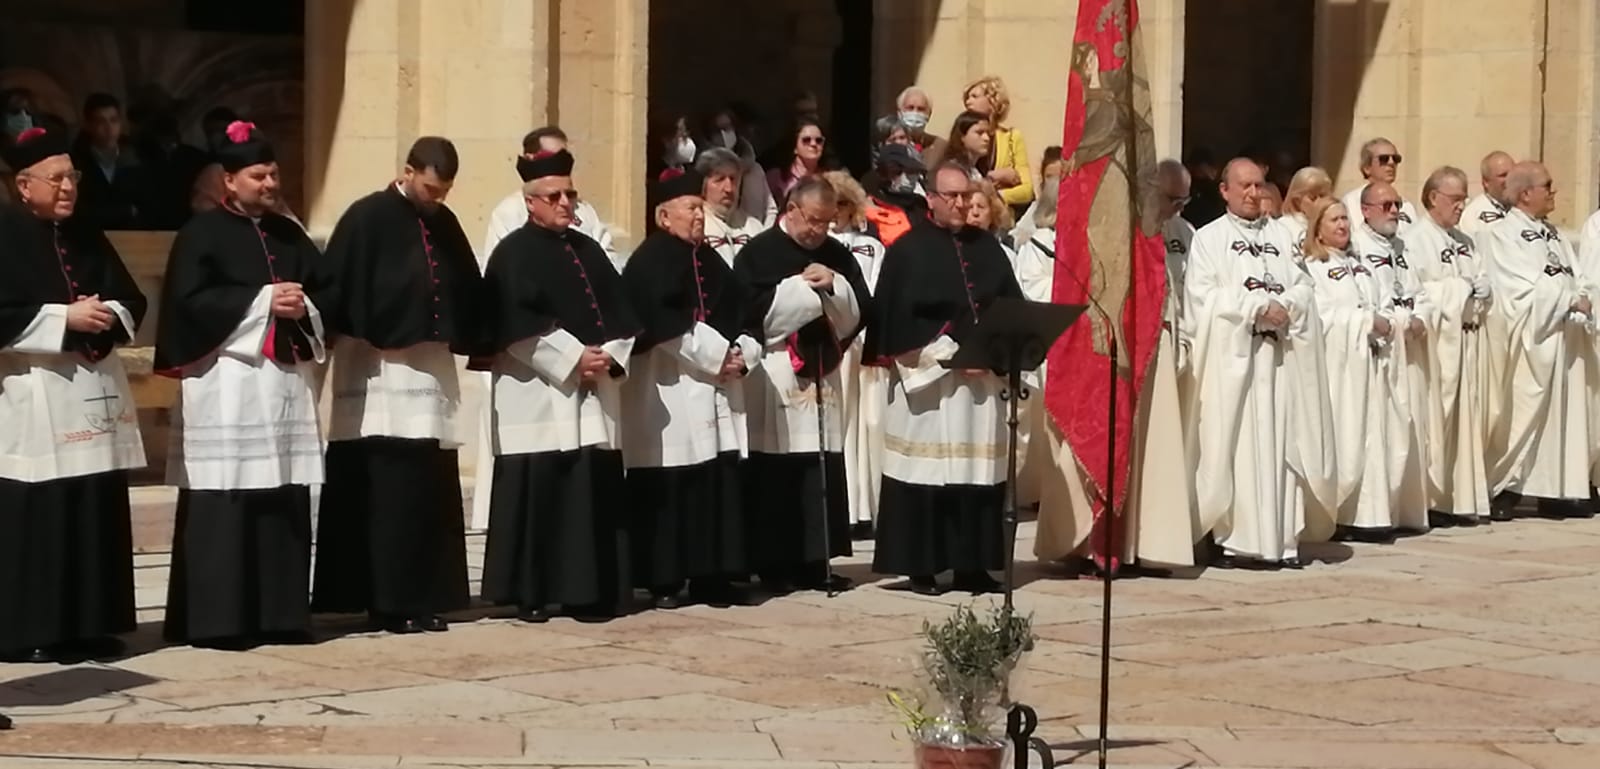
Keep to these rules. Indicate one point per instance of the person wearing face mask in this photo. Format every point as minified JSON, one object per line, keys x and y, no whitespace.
{"x":913,"y":108}
{"x":727,"y":131}
{"x":406,"y":301}
{"x":807,"y":298}
{"x":18,"y":103}
{"x":897,"y":207}
{"x":887,"y":130}
{"x":676,"y":146}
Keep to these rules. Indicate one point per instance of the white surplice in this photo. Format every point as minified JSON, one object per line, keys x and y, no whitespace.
{"x":677,"y":412}
{"x":1034,"y":262}
{"x":65,"y":416}
{"x":1294,"y":230}
{"x":1257,"y":405}
{"x":1402,"y":298}
{"x":782,"y":407}
{"x":541,"y":404}
{"x":1549,"y":446}
{"x":1372,"y":426}
{"x":1445,"y":262}
{"x":865,"y":392}
{"x":728,"y":236}
{"x":245,"y":421}
{"x":1352,"y":206}
{"x":411,"y":393}
{"x":1161,"y":523}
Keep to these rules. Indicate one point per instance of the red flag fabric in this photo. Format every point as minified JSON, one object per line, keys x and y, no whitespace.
{"x":1109,"y":255}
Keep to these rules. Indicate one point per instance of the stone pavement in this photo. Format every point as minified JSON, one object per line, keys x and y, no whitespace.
{"x":1466,"y":649}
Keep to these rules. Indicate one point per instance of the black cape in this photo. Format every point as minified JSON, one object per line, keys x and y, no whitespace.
{"x":770,"y":258}
{"x":673,"y":284}
{"x":402,"y":276}
{"x":538,"y":280}
{"x":218,"y":264}
{"x":55,"y":263}
{"x":933,"y":282}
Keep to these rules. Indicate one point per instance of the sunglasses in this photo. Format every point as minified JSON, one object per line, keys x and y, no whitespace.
{"x":1384,"y":160}
{"x":555,"y":197}
{"x":817,"y":140}
{"x":1387,"y":205}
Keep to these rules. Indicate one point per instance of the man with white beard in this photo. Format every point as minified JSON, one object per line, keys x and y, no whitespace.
{"x":1380,"y":162}
{"x":728,"y":227}
{"x":1255,"y":417}
{"x":1378,"y":246}
{"x":1457,"y":286}
{"x":1489,"y":206}
{"x":1549,"y":311}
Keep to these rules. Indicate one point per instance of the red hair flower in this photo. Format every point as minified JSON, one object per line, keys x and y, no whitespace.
{"x":29,"y":134}
{"x":239,"y":131}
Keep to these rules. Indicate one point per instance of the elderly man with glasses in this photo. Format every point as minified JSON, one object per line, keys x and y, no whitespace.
{"x":1380,"y":162}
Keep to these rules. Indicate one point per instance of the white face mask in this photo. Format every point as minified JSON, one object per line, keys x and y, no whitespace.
{"x":682,"y":154}
{"x":903,"y":183}
{"x":729,"y":138}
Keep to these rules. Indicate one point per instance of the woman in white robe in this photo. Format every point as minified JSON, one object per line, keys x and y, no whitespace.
{"x":1309,"y":186}
{"x":865,"y":388}
{"x":1366,"y":389}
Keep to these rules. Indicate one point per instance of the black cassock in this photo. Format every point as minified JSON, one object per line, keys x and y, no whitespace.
{"x":930,"y":282}
{"x":391,"y":539}
{"x":66,"y":545}
{"x":557,"y":519}
{"x":687,"y":522}
{"x":241,"y":558}
{"x":783,"y":492}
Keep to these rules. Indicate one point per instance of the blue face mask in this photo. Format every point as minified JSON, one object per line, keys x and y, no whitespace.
{"x":17,"y":122}
{"x":916,"y":121}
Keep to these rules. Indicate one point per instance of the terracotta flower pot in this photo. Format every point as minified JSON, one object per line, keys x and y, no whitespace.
{"x":974,"y":757}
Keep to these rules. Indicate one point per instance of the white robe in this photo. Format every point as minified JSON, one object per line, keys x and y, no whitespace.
{"x":244,"y":421}
{"x":1549,"y":446}
{"x":1402,"y":298}
{"x":1160,"y":519}
{"x":1294,"y":229}
{"x":943,"y":427}
{"x":1372,"y":428}
{"x":1445,"y":262}
{"x":783,"y":408}
{"x":1481,"y":211}
{"x":541,"y":403}
{"x":678,"y":414}
{"x":1034,"y":263}
{"x":1352,"y":206}
{"x":65,"y":416}
{"x":728,"y":236}
{"x":1258,"y":407}
{"x":865,"y":393}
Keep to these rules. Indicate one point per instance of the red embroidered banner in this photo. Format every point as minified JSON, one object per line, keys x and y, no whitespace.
{"x":1109,"y":255}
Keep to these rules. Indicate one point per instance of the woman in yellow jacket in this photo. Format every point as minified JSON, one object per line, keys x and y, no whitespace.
{"x":1009,"y":166}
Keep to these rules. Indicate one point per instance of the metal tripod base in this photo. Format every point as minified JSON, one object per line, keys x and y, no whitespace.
{"x":1020,"y":725}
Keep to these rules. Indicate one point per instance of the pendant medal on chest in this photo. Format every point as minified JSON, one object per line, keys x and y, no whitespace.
{"x":1399,"y":290}
{"x":1272,"y":282}
{"x":1555,"y":260}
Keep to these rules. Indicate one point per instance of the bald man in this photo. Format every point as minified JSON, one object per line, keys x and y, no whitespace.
{"x":1547,"y":303}
{"x":1380,"y":162}
{"x":1490,"y":205}
{"x":1257,"y":408}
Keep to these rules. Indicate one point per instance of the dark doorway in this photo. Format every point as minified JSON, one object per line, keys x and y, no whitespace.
{"x":852,"y":87}
{"x":1248,"y":79}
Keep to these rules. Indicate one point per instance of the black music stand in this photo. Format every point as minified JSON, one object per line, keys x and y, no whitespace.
{"x":1012,"y":336}
{"x":5,"y":723}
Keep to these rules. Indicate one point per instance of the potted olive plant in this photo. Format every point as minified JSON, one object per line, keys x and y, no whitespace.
{"x":956,"y":716}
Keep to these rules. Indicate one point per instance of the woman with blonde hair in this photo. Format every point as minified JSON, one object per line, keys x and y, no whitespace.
{"x":865,"y":389}
{"x":1309,"y":185}
{"x":1370,"y":435}
{"x":1008,"y":156}
{"x":990,"y":213}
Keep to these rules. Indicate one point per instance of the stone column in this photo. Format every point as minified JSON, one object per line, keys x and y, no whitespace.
{"x":603,"y":68}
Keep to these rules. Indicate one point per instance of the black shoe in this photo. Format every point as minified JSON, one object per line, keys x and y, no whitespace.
{"x":433,"y":623}
{"x":977,"y":583}
{"x":1500,"y":515}
{"x":1440,"y":520}
{"x":777,"y":586}
{"x":397,"y":625}
{"x":716,"y":593}
{"x":287,"y":638}
{"x":1465,"y":521}
{"x":925,"y":586}
{"x":533,"y":616}
{"x":591,"y":614}
{"x":819,"y":579}
{"x":861,"y":532}
{"x":1293,"y":563}
{"x":237,"y":643}
{"x":666,"y":601}
{"x":103,"y":648}
{"x":39,"y":656}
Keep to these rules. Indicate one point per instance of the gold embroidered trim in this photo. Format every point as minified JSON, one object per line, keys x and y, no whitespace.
{"x":917,"y":450}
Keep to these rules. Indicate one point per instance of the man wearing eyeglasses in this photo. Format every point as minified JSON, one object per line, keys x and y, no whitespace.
{"x":1549,"y":300}
{"x":1407,"y":306}
{"x":1380,"y":162}
{"x":71,"y":430}
{"x":512,"y":210}
{"x":560,"y":343}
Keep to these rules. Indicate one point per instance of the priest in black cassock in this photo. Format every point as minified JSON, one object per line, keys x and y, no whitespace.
{"x":807,"y":301}
{"x":683,"y":405}
{"x":562,"y":337}
{"x":71,"y":431}
{"x":944,"y":430}
{"x":391,"y":539}
{"x":242,"y":330}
